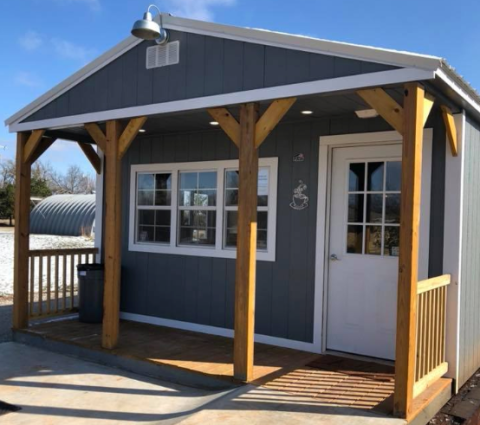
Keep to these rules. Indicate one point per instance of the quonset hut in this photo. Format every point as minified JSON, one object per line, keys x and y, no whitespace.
{"x":64,"y":215}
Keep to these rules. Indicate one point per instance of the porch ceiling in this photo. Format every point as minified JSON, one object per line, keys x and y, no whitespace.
{"x":321,"y":105}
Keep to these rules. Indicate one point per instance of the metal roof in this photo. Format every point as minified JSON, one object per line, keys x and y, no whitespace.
{"x":65,"y":215}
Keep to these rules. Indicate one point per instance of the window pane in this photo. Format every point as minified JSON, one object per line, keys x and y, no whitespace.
{"x":392,"y":208}
{"x":373,"y":240}
{"x":198,"y":218}
{"x":186,"y":198}
{"x":262,"y":239}
{"x":231,"y":238}
{"x":262,"y":220}
{"x":208,"y":180}
{"x":145,"y":197}
{"x":163,"y":181}
{"x":162,"y":234}
{"x":145,"y":181}
{"x":356,"y":177}
{"x":231,"y":179}
{"x":354,"y":239}
{"x":231,"y":198}
{"x":205,"y":198}
{"x":195,"y":236}
{"x":146,"y":217}
{"x":394,"y":175}
{"x":392,"y":241}
{"x":375,"y":176}
{"x":374,"y":208}
{"x":145,"y":233}
{"x":188,"y":180}
{"x":163,"y":197}
{"x":162,"y":218}
{"x":355,"y":208}
{"x":232,"y":219}
{"x":263,"y":184}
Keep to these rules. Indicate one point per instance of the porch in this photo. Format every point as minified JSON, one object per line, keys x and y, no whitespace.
{"x":421,"y":314}
{"x":291,"y":377}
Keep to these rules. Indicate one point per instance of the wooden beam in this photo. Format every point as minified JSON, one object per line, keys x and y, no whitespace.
{"x":409,"y":240}
{"x":129,"y":134}
{"x":246,"y":245}
{"x":92,"y":156}
{"x":272,"y":116}
{"x":113,"y":235}
{"x":22,"y":230}
{"x":44,"y":144}
{"x":451,"y":129}
{"x":427,"y":107}
{"x":385,"y":105}
{"x":227,"y":122}
{"x":97,"y":134}
{"x":32,"y":144}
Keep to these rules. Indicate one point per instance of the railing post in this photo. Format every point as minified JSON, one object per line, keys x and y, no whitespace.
{"x":22,"y":230}
{"x":408,"y":258}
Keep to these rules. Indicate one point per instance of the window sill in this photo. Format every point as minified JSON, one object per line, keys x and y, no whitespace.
{"x":195,"y":251}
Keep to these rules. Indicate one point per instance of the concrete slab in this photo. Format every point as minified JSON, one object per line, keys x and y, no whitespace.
{"x":55,"y":389}
{"x":259,"y":406}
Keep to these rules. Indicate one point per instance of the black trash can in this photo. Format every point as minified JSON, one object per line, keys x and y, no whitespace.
{"x":90,"y":279}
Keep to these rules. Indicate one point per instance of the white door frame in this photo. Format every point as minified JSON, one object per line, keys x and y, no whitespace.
{"x":327,"y":143}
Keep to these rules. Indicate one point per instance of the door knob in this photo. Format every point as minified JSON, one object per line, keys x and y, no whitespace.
{"x":334,"y":257}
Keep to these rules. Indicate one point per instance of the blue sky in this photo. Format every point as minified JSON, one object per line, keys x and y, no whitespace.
{"x":44,"y":41}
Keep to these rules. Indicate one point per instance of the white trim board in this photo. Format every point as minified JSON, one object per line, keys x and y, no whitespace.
{"x":271,"y":93}
{"x":213,"y":330}
{"x":327,"y":143}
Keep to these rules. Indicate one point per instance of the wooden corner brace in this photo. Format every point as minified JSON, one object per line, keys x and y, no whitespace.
{"x":125,"y":140}
{"x":32,"y":144}
{"x":92,"y":156}
{"x":264,"y":126}
{"x":451,"y":129}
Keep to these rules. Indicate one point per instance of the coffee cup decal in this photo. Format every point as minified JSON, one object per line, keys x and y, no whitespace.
{"x":299,"y":200}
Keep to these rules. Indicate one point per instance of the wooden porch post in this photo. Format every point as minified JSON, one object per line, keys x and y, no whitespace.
{"x":246,"y":245}
{"x":413,"y":120}
{"x":22,"y":230}
{"x":113,"y":193}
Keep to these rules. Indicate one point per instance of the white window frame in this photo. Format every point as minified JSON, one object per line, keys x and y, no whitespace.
{"x":218,"y":251}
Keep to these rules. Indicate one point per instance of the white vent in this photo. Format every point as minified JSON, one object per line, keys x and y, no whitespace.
{"x":168,"y":54}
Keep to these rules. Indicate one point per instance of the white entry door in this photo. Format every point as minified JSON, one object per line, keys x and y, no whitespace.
{"x":363,"y":251}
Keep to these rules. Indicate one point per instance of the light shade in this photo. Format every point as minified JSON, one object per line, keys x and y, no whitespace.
{"x":146,"y":28}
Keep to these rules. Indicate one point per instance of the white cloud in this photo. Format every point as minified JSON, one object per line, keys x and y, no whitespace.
{"x":68,"y":50}
{"x":28,"y":79}
{"x":31,"y":41}
{"x":195,"y":9}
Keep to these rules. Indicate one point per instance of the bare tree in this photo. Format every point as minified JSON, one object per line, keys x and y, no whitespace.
{"x":74,"y":181}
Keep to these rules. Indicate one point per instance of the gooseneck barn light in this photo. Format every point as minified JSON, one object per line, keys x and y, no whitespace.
{"x":148,"y":29}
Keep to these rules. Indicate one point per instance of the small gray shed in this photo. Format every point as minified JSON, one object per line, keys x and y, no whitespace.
{"x":66,"y":215}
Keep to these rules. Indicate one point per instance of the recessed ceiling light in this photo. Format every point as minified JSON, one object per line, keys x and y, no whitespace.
{"x":142,"y":130}
{"x":213,"y":123}
{"x":367,"y":113}
{"x":307,"y":112}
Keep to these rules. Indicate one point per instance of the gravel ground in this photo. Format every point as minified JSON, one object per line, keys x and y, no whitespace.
{"x":6,"y":269}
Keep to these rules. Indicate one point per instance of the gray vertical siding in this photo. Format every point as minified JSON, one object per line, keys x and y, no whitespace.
{"x":469,"y":360}
{"x":208,"y":66}
{"x":201,"y":290}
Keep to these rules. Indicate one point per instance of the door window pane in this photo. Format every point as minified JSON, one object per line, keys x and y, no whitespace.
{"x":375,"y":176}
{"x":373,"y":240}
{"x":354,"y":239}
{"x":355,"y":208}
{"x":394,"y":175}
{"x":356,"y":177}
{"x":374,"y":208}
{"x":392,"y":208}
{"x":392,"y":241}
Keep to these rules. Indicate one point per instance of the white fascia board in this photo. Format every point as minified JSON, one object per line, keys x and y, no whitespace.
{"x":303,"y":43}
{"x":74,"y":79}
{"x":457,"y":89}
{"x":292,"y":90}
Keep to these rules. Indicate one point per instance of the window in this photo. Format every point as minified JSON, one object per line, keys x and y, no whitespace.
{"x":192,"y":208}
{"x":373,"y":222}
